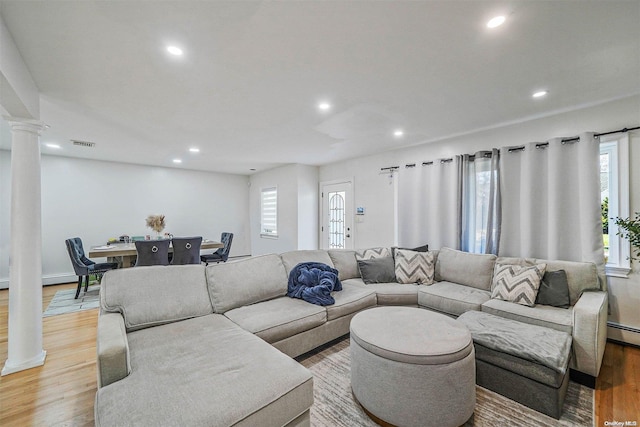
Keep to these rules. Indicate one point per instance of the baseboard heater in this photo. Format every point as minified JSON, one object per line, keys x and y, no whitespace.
{"x":623,"y":327}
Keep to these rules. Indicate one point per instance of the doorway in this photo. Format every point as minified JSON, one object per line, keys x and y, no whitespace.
{"x":336,"y":228}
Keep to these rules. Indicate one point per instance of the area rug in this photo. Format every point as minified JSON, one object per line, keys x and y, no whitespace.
{"x":334,"y":404}
{"x":63,"y":302}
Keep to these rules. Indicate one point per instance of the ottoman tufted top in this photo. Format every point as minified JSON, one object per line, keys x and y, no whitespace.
{"x":411,"y":335}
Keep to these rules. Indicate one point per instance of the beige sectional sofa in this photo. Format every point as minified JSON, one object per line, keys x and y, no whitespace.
{"x":195,"y":345}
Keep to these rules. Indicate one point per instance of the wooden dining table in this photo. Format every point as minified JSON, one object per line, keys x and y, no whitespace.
{"x":126,"y":252}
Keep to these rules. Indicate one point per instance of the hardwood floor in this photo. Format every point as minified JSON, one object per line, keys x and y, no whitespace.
{"x":61,"y":393}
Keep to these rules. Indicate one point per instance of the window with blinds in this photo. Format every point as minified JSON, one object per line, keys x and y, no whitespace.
{"x":269,"y":212}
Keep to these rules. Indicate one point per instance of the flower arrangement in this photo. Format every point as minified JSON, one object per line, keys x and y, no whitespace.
{"x":156,"y":223}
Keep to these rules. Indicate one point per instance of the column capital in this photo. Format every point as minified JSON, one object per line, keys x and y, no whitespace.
{"x":26,"y":125}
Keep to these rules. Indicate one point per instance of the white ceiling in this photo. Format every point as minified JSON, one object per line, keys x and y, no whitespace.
{"x":245,"y":91}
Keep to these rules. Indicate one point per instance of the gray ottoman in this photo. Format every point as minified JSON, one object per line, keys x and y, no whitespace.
{"x":526,"y":363}
{"x":412,"y":367}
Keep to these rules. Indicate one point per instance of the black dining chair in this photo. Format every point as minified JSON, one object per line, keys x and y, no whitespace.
{"x":83,"y":266}
{"x":222,"y":254}
{"x":186,"y":250}
{"x":152,"y":252}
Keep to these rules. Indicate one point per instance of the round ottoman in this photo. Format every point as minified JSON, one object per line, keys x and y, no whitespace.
{"x":413,"y":367}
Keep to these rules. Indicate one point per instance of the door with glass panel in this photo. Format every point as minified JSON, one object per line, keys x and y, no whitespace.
{"x":337,"y":215}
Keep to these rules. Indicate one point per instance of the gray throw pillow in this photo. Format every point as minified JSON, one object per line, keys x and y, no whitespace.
{"x":554,"y":289}
{"x":377,"y":270}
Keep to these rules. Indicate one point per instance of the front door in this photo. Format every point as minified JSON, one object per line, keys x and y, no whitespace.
{"x":337,"y":215}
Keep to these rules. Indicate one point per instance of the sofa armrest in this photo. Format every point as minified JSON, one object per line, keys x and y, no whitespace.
{"x":589,"y":331}
{"x":112,"y":348}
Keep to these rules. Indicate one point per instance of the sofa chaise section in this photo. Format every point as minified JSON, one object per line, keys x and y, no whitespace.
{"x":164,"y":358}
{"x":205,"y":371}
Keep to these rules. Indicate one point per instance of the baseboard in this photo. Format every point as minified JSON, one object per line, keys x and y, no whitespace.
{"x":49,"y":279}
{"x":623,"y":333}
{"x":57,"y":279}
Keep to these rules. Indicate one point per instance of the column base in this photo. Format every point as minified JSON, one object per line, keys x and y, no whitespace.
{"x":31,"y":363}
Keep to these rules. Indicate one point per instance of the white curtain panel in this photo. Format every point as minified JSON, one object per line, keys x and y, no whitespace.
{"x":428,"y":205}
{"x":551,"y":201}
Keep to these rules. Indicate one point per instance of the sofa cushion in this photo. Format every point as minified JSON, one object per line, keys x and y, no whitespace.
{"x":581,"y":276}
{"x":350,"y":299}
{"x":344,"y":260}
{"x":187,"y":373}
{"x":534,"y":343}
{"x":414,"y":267}
{"x":179,"y":292}
{"x":279,"y":318}
{"x":517,"y":284}
{"x":465,"y":268}
{"x":377,"y":270}
{"x":390,"y":293}
{"x":246,"y":281}
{"x":554,"y":289}
{"x":293,"y":258}
{"x":452,"y":298}
{"x":560,"y":319}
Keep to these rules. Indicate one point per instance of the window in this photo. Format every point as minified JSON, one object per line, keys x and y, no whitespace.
{"x":614,"y":197}
{"x":480,"y":221}
{"x":269,"y":212}
{"x":337,"y":219}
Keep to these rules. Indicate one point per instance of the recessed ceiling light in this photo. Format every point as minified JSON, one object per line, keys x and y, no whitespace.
{"x":398,"y":133}
{"x":324,"y":106}
{"x":177,"y":161}
{"x":194,"y":150}
{"x":496,"y":22}
{"x":53,"y":146}
{"x":539,"y":94}
{"x":174,"y":50}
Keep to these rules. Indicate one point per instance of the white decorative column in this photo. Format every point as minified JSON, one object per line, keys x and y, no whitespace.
{"x":25,"y":265}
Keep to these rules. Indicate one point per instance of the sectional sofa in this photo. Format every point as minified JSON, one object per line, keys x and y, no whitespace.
{"x":195,"y":345}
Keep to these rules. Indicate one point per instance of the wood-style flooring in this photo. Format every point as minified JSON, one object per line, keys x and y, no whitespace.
{"x":62,"y":392}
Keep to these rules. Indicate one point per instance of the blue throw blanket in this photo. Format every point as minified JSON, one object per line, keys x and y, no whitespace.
{"x":313,"y":282}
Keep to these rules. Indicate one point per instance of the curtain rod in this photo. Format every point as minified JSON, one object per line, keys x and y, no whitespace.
{"x":540,"y":145}
{"x":623,"y":130}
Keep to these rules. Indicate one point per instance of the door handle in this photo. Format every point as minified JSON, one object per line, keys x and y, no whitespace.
{"x":348,"y":235}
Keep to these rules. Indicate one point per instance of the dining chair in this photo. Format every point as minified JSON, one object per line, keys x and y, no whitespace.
{"x":83,"y":266}
{"x":186,"y":250}
{"x":222,"y":254}
{"x":152,"y":252}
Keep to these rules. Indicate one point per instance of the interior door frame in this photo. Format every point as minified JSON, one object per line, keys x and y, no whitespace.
{"x":350,"y":203}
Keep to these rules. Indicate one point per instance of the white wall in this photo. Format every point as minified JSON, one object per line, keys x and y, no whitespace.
{"x":308,"y":207}
{"x":96,"y":200}
{"x":373,"y":191}
{"x":297,"y":209}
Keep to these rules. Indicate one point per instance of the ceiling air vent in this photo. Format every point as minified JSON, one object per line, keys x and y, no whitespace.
{"x":86,"y":144}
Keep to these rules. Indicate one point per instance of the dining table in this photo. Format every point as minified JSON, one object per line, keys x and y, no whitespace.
{"x":126,"y":252}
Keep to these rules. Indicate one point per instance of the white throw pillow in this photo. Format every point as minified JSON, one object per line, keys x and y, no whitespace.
{"x":414,"y":267}
{"x":517,"y":283}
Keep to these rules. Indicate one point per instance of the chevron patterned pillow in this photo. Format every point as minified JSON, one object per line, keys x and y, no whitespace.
{"x":517,"y":283}
{"x":372,"y":253}
{"x":415,"y":267}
